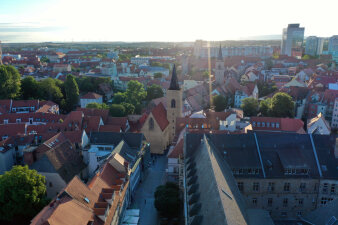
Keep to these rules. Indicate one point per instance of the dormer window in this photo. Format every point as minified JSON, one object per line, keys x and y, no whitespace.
{"x":5,"y":121}
{"x":18,"y":120}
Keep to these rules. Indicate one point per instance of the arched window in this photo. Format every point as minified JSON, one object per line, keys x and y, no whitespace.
{"x":151,"y":124}
{"x":173,"y":103}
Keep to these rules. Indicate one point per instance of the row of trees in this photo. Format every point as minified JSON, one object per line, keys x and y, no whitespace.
{"x":22,"y":195}
{"x":280,"y":105}
{"x":66,"y":94}
{"x":132,"y":100}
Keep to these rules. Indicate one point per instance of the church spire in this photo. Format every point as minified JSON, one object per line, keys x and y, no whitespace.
{"x":220,"y":56}
{"x":174,"y":81}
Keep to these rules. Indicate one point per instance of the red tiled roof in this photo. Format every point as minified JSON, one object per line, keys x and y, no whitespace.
{"x":285,"y":124}
{"x":110,"y":128}
{"x":160,"y":115}
{"x":12,"y":129}
{"x":178,"y":149}
{"x":91,"y":95}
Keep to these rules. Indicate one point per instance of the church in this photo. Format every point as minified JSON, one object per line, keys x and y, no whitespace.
{"x":159,"y":125}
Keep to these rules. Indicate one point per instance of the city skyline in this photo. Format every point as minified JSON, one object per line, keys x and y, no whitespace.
{"x":135,"y":21}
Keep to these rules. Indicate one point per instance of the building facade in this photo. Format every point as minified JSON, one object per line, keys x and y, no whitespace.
{"x":314,"y":46}
{"x":292,"y":39}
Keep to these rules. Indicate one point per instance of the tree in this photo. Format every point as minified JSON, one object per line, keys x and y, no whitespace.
{"x":95,"y":105}
{"x":265,"y":89}
{"x":306,"y":57}
{"x":129,"y":108}
{"x":167,"y":200}
{"x":219,"y":102}
{"x":22,"y":193}
{"x":135,"y":93}
{"x":117,"y":110}
{"x":265,"y":107}
{"x":9,"y":82}
{"x":72,"y":92}
{"x":250,"y":106}
{"x":206,"y":74}
{"x":119,"y":97}
{"x":158,"y":75}
{"x":44,"y":59}
{"x":282,"y":105}
{"x":29,"y":87}
{"x":154,"y":91}
{"x":50,"y":91}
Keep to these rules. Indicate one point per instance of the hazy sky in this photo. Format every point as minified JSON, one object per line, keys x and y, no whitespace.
{"x":160,"y":20}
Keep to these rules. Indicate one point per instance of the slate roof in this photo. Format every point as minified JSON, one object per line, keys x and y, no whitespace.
{"x":279,"y":151}
{"x":134,"y":140}
{"x":211,"y":185}
{"x":174,"y":80}
{"x":63,"y":159}
{"x":323,"y":214}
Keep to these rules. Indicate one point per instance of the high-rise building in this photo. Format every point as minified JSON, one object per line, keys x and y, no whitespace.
{"x":333,"y":47}
{"x":292,"y":39}
{"x":314,"y":45}
{"x":333,"y":44}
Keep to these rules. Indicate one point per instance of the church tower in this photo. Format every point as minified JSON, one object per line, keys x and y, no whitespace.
{"x":219,"y":70}
{"x":174,"y":104}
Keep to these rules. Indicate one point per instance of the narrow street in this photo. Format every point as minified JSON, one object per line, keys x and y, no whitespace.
{"x":144,"y":196}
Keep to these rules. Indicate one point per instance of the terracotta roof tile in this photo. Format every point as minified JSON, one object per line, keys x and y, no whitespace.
{"x":160,"y":115}
{"x":91,"y":95}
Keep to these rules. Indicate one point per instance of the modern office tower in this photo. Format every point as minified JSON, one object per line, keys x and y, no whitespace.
{"x":314,"y":45}
{"x":292,"y":39}
{"x":333,"y":47}
{"x":333,"y":44}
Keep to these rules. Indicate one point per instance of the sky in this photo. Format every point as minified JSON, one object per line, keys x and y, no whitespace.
{"x":161,"y":20}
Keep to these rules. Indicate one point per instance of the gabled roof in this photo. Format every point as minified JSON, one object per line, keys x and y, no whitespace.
{"x":62,"y":159}
{"x":91,"y":95}
{"x":160,"y":115}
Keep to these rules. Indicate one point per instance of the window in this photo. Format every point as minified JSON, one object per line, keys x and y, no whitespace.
{"x":302,"y":187}
{"x":30,"y":120}
{"x":173,"y":103}
{"x":333,"y":188}
{"x":254,"y":201}
{"x":254,"y":124}
{"x":268,"y":124}
{"x":300,"y":201}
{"x":271,"y":186}
{"x":240,"y":186}
{"x":287,"y":187}
{"x":299,"y":213}
{"x":324,"y":200}
{"x":258,"y":124}
{"x":285,"y":202}
{"x":263,"y":124}
{"x":277,"y":125}
{"x":255,"y":186}
{"x":18,"y":120}
{"x":325,"y":187}
{"x":284,"y":214}
{"x":50,"y":184}
{"x":273,"y":125}
{"x":5,"y":121}
{"x":151,"y":124}
{"x":269,"y":201}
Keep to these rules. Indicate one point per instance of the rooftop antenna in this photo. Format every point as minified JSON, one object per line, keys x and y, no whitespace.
{"x":0,"y":54}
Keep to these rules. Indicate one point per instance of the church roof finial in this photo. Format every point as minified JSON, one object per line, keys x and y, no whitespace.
{"x":220,"y":56}
{"x":174,"y":80}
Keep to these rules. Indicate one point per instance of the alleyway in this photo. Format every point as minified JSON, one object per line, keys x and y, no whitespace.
{"x":144,"y":196}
